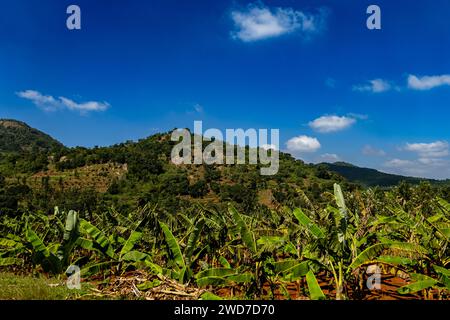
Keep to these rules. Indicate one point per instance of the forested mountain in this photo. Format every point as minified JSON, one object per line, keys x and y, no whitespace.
{"x":371,"y":177}
{"x":127,"y":208}
{"x":38,"y":173}
{"x":17,"y":136}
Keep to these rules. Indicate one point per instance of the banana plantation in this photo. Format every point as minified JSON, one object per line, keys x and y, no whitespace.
{"x":357,"y":245}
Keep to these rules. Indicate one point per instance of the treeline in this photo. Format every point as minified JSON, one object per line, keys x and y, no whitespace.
{"x":151,"y":178}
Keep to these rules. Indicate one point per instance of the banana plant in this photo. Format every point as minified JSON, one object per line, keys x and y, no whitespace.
{"x":336,"y":249}
{"x":10,"y":249}
{"x":52,"y":260}
{"x":182,"y":262}
{"x":424,"y":283}
{"x":93,"y":239}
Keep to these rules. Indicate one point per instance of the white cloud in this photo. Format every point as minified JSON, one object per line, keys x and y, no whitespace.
{"x":371,"y":151}
{"x":85,"y":106}
{"x":358,"y":116}
{"x":303,"y":144}
{"x":374,"y":86}
{"x":259,"y":22}
{"x":198,"y":108}
{"x":426,"y":168}
{"x":432,"y":161}
{"x":398,"y":163}
{"x":49,"y":103}
{"x":435,"y":149}
{"x":326,"y":124}
{"x":329,"y":157}
{"x":269,"y":147}
{"x":427,"y":82}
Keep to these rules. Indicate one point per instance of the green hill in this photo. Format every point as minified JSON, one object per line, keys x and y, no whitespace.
{"x":138,"y":173}
{"x":17,"y":136}
{"x":371,"y":177}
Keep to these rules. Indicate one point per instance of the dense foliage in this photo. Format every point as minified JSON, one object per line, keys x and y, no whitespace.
{"x":18,"y":136}
{"x":403,"y":231}
{"x":113,"y":209}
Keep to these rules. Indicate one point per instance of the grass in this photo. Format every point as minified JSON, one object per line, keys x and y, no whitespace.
{"x":16,"y":287}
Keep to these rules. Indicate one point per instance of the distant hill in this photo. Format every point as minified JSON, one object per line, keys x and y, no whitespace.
{"x":38,"y":173}
{"x":371,"y":177}
{"x":16,"y":136}
{"x":138,"y":173}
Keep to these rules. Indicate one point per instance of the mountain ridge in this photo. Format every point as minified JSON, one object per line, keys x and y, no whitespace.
{"x":369,"y":177}
{"x":17,"y":136}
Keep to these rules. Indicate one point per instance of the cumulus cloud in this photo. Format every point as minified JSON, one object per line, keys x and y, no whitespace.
{"x":426,"y":167}
{"x":50,"y":103}
{"x":327,"y":124}
{"x":257,"y":22}
{"x":329,"y":157}
{"x":47,"y":103}
{"x":374,"y":86}
{"x":303,"y":144}
{"x":431,"y":162}
{"x":428,"y":82}
{"x":413,"y":83}
{"x":435,"y":149}
{"x":85,"y":106}
{"x":371,"y":151}
{"x":398,"y":163}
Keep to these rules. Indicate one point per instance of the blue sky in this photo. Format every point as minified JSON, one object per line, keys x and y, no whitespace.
{"x":336,"y":90}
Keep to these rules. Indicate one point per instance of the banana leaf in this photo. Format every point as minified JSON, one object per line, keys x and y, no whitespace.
{"x":193,"y":239}
{"x":98,"y":236}
{"x":371,"y":253}
{"x":216,"y":280}
{"x":149,"y":285}
{"x":445,"y":205}
{"x":444,"y":275}
{"x":315,"y":292}
{"x":422,"y":282}
{"x":308,"y":224}
{"x":174,"y":248}
{"x":134,"y":256}
{"x":8,"y":243}
{"x":246,"y":235}
{"x":96,"y":267}
{"x":10,"y":261}
{"x":210,"y":296}
{"x":134,"y":238}
{"x":339,"y":197}
{"x":224,"y":262}
{"x":215,"y":272}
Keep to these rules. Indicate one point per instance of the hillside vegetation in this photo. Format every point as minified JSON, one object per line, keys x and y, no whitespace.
{"x":140,"y":227}
{"x":372,"y":178}
{"x":17,"y":136}
{"x":133,"y":174}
